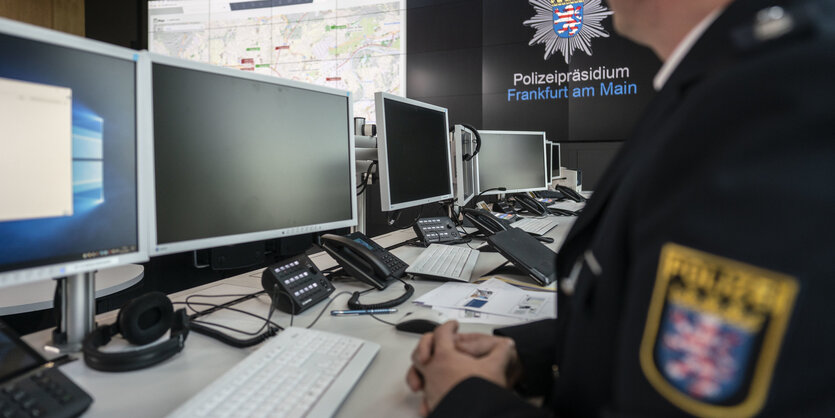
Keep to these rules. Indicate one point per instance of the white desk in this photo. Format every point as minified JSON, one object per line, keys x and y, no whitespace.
{"x":382,"y":391}
{"x":38,"y":296}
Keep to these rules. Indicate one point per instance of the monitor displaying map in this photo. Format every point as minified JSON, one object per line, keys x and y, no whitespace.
{"x":354,"y":45}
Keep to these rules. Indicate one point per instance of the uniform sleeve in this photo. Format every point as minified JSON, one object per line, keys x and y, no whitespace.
{"x":476,"y":397}
{"x":536,"y":344}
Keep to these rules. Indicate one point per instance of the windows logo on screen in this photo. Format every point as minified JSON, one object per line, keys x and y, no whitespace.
{"x":87,"y":158}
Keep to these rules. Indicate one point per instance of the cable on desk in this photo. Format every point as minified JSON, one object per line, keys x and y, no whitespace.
{"x":401,"y":244}
{"x":333,"y":298}
{"x":340,"y":275}
{"x":383,"y":321}
{"x":203,"y":327}
{"x":241,"y":298}
{"x":231,"y":309}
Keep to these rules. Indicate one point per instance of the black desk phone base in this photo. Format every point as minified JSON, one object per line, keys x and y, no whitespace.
{"x":32,"y":387}
{"x":295,"y":284}
{"x":439,"y":229}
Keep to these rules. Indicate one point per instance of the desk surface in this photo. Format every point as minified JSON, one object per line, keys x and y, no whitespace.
{"x":382,"y":391}
{"x":38,"y":296}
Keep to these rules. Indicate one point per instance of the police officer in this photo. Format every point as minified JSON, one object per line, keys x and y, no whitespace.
{"x":698,"y":280}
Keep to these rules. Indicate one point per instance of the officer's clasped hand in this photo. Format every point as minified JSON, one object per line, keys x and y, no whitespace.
{"x":444,"y":358}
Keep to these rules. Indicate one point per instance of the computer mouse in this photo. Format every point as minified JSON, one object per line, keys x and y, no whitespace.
{"x":549,"y":240}
{"x":420,"y":321}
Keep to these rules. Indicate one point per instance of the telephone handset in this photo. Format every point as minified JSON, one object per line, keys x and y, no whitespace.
{"x":364,"y":259}
{"x":530,"y":204}
{"x":570,"y":193}
{"x":484,"y":221}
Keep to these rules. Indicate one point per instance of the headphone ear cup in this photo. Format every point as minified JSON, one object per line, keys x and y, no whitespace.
{"x":146,"y":318}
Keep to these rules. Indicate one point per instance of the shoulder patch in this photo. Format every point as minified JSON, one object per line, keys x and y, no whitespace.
{"x":713,"y":331}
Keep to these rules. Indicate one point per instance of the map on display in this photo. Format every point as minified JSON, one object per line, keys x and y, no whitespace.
{"x":354,"y":45}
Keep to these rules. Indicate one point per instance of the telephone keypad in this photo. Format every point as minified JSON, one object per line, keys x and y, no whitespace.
{"x":436,"y":230}
{"x":298,"y":280}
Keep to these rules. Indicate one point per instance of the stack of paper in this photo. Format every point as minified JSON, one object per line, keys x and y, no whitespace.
{"x":491,"y":302}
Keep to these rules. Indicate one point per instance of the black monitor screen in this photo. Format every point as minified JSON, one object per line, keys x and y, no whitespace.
{"x":417,"y":149}
{"x":15,"y":356}
{"x":555,"y":160}
{"x":237,"y":155}
{"x":68,"y":171}
{"x":514,"y":160}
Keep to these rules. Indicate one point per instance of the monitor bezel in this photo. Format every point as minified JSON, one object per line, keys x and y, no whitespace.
{"x":382,"y":153}
{"x":460,"y":198}
{"x":157,"y":248}
{"x":53,"y":270}
{"x":549,"y":158}
{"x":558,"y":160}
{"x":545,"y":178}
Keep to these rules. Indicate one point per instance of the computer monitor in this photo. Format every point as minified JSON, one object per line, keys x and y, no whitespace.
{"x":70,"y":177}
{"x":515,"y":160}
{"x":556,"y":162}
{"x":242,"y":157}
{"x":549,"y":147}
{"x":465,"y":180}
{"x":413,"y":152}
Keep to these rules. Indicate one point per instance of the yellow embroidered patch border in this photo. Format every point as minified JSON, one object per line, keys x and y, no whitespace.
{"x":713,"y":331}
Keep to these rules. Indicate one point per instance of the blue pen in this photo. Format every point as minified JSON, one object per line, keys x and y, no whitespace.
{"x":363,"y":312}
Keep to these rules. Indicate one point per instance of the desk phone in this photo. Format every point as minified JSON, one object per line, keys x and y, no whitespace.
{"x":300,"y":284}
{"x":364,"y":259}
{"x":32,"y":387}
{"x":438,"y":229}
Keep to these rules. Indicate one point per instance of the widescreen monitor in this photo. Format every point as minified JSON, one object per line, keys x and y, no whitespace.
{"x":69,"y":170}
{"x":242,"y":157}
{"x":556,"y":162}
{"x":515,"y":160}
{"x":463,"y":141}
{"x":413,"y":152}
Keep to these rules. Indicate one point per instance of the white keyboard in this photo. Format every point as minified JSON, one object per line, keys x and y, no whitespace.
{"x":445,"y":262}
{"x":299,"y":372}
{"x":539,"y":226}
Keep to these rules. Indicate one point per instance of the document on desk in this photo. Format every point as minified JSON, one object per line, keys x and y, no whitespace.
{"x":493,"y":297}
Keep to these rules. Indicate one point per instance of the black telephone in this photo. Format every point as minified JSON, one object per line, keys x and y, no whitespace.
{"x":504,"y":207}
{"x":295,"y":284}
{"x":530,"y":204}
{"x":570,"y":193}
{"x":436,"y":230}
{"x":484,"y":221}
{"x":31,"y":386}
{"x":364,"y":259}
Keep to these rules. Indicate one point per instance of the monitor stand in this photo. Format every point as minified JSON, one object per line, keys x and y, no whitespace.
{"x":75,"y":305}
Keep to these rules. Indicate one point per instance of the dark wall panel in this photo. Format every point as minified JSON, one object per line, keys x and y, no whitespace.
{"x":443,"y":25}
{"x":462,"y":109}
{"x":443,"y":73}
{"x":591,"y":158}
{"x":121,"y":22}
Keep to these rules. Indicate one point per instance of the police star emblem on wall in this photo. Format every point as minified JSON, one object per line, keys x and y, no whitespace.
{"x":567,"y":25}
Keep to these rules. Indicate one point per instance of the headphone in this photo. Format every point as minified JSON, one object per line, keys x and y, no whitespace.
{"x":468,"y":157}
{"x":141,"y":321}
